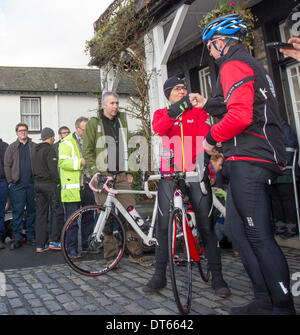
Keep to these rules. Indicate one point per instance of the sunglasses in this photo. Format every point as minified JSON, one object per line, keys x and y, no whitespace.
{"x":209,"y":43}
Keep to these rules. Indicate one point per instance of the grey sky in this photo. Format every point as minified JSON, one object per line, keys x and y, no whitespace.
{"x":47,"y":33}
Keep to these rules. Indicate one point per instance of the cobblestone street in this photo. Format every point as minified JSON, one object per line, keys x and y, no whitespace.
{"x":56,"y":290}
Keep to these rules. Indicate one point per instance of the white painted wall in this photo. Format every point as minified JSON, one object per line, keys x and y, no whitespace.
{"x":10,"y":116}
{"x":56,"y":111}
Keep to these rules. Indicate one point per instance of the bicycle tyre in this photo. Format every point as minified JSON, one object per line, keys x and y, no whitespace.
{"x":203,"y":269}
{"x":180,"y":267}
{"x":203,"y":263}
{"x":81,"y":251}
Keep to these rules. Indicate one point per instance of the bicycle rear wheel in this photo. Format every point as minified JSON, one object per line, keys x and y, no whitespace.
{"x":180,"y":267}
{"x":83,"y":252}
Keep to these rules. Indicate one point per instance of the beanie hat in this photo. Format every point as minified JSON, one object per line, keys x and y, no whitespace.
{"x":47,"y":133}
{"x":170,"y":84}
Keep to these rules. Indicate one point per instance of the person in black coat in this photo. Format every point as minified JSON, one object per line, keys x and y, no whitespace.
{"x":3,"y":192}
{"x":47,"y":188}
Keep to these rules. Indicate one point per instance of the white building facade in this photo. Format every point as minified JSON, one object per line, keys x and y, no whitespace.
{"x":48,"y":97}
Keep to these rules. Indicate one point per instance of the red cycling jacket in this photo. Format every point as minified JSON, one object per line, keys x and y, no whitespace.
{"x":245,"y":101}
{"x":182,"y":139}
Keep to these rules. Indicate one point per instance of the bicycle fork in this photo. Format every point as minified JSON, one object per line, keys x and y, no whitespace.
{"x":187,"y":228}
{"x":178,"y":204}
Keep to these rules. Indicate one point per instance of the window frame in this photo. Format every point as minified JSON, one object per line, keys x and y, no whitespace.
{"x":203,"y":74}
{"x":296,"y":111}
{"x":30,"y":131}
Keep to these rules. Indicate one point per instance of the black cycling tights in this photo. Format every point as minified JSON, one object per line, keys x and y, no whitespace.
{"x":248,"y":220}
{"x":202,"y":206}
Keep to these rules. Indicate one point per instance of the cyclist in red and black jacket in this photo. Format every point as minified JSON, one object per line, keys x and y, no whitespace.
{"x":183,"y":129}
{"x":250,"y":134}
{"x":250,"y":130}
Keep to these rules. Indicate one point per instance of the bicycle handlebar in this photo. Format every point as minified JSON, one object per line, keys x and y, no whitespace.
{"x":98,"y":190}
{"x":174,"y":175}
{"x":184,"y":175}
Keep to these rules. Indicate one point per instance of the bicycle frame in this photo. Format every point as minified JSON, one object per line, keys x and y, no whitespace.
{"x":111,"y":200}
{"x":189,"y":239}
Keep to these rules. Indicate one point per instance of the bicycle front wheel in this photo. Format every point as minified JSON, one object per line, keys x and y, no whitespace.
{"x":180,"y":266}
{"x":84,"y":251}
{"x":203,"y":263}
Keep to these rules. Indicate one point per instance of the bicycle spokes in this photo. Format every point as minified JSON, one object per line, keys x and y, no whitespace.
{"x":92,"y":247}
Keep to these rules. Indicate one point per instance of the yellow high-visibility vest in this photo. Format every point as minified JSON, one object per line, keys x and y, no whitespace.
{"x":70,"y":169}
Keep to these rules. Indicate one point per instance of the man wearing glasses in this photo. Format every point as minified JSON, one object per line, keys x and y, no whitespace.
{"x":18,"y":171}
{"x":62,"y":133}
{"x":183,"y":129}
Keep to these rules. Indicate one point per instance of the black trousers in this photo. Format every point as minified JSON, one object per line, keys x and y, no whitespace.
{"x":202,"y":205}
{"x":248,"y":218}
{"x":48,"y":196}
{"x":87,"y":222}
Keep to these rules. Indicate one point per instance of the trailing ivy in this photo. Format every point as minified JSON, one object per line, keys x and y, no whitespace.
{"x":119,"y":29}
{"x":118,"y":46}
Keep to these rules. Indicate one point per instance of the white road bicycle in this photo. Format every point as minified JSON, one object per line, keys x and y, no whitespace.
{"x":86,"y":230}
{"x":83,"y":235}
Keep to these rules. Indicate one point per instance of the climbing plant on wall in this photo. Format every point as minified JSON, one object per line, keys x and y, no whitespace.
{"x":118,"y":45}
{"x":224,"y":8}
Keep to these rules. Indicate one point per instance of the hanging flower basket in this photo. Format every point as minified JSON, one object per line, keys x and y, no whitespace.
{"x":225,"y":8}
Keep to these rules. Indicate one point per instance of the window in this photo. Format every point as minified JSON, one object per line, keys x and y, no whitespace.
{"x":285,"y":34}
{"x":205,"y":82}
{"x":294,"y":82}
{"x":293,"y":74}
{"x":31,"y":113}
{"x":205,"y":86}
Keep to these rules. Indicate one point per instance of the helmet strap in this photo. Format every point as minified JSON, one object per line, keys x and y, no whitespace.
{"x":215,"y":46}
{"x":227,"y":43}
{"x":225,"y":46}
{"x":220,"y":51}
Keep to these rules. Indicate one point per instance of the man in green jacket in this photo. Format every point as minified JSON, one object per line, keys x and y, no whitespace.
{"x":105,"y":150}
